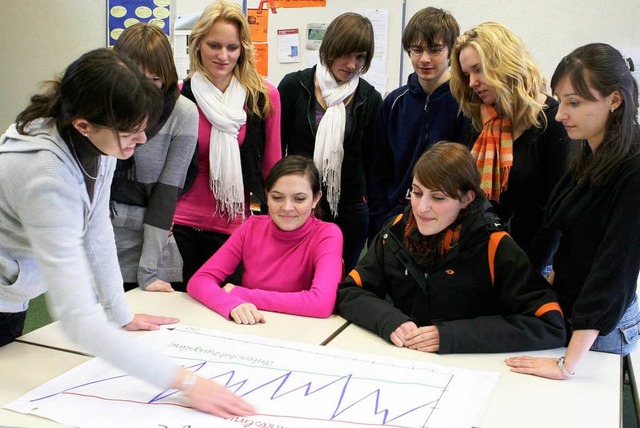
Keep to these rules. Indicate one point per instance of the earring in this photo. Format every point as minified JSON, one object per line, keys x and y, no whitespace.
{"x":613,"y":109}
{"x":84,"y":133}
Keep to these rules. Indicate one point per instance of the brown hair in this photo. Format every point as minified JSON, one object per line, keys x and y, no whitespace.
{"x":429,"y":25}
{"x":449,"y":168}
{"x":149,"y":47}
{"x":349,"y":32}
{"x":602,"y":67}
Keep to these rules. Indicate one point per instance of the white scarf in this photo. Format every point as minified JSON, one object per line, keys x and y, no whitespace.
{"x":329,"y":151}
{"x":226,"y":113}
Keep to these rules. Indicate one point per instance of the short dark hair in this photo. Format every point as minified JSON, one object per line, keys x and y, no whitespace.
{"x":349,"y":32}
{"x":428,"y":25}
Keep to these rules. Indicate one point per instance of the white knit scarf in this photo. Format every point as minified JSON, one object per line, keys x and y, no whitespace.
{"x":226,"y":113}
{"x":329,"y":150}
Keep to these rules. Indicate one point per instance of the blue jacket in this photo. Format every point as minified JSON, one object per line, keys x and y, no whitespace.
{"x":409,"y":122}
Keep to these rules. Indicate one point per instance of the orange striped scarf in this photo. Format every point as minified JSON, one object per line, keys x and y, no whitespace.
{"x":493,"y":152}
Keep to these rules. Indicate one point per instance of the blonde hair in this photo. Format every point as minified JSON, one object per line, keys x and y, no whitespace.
{"x":508,"y":67}
{"x":245,"y":69}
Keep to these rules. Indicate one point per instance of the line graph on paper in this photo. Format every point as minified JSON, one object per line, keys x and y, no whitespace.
{"x":290,"y":384}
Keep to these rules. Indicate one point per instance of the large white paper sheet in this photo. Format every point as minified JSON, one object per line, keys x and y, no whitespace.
{"x":290,"y":384}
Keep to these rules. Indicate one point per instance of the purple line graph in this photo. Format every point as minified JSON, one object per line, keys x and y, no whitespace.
{"x":291,"y":385}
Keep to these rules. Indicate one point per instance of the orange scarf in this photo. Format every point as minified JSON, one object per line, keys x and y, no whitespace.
{"x":429,"y":251}
{"x":493,"y":152}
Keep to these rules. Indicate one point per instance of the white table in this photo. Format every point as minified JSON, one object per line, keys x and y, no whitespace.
{"x":592,"y":399}
{"x":24,"y":367}
{"x":181,"y":305}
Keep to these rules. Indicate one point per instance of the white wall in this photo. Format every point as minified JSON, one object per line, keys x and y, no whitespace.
{"x":550,"y":28}
{"x":39,"y":38}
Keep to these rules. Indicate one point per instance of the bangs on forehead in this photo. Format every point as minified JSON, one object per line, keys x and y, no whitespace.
{"x":428,"y":38}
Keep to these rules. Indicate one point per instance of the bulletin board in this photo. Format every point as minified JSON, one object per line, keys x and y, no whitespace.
{"x":293,"y":18}
{"x":122,"y":14}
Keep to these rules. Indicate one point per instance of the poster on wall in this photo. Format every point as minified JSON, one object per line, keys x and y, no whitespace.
{"x":122,"y":14}
{"x":288,"y":46}
{"x":261,"y":52}
{"x":258,"y":25}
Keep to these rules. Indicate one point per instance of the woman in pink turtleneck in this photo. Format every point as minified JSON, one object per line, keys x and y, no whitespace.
{"x":292,"y":260}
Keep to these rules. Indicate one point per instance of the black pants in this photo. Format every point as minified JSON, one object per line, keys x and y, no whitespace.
{"x":196,"y":246}
{"x":353,"y":221}
{"x":11,"y":326}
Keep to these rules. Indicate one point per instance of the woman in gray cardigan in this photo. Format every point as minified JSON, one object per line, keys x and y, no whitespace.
{"x":146,"y":186}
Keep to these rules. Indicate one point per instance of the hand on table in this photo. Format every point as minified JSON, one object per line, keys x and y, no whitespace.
{"x":424,"y":339}
{"x":211,"y":397}
{"x":159,"y":285}
{"x":537,"y":366}
{"x":247,"y":313}
{"x":397,"y":337}
{"x":149,"y":322}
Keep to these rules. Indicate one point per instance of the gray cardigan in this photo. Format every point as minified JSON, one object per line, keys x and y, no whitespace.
{"x":54,"y":239}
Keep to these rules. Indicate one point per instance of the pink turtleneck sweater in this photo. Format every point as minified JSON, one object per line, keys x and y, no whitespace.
{"x":295,"y":272}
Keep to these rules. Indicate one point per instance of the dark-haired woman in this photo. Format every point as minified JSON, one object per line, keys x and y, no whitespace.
{"x":292,"y":261}
{"x":444,"y":276}
{"x":592,"y":218}
{"x":56,"y":166}
{"x":328,"y":113}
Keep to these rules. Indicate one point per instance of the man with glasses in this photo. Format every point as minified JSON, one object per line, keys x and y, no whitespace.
{"x":414,"y":116}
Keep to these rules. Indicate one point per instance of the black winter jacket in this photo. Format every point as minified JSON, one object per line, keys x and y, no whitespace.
{"x":516,"y":311}
{"x":297,"y":95}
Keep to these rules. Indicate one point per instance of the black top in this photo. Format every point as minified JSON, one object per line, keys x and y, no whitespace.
{"x":517,"y":311}
{"x":598,"y":257}
{"x":297,"y":96}
{"x":539,"y":161}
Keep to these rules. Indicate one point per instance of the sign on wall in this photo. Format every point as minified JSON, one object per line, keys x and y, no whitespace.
{"x":122,"y":14}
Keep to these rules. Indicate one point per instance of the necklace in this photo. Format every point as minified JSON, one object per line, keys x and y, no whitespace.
{"x":73,"y":148}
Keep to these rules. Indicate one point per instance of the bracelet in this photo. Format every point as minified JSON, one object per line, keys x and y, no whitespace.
{"x":563,"y":369}
{"x":188,"y":382}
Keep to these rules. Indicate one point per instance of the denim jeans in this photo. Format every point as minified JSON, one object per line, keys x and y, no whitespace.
{"x":624,"y":337}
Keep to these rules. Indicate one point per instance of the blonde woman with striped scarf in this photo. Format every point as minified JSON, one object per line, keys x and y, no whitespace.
{"x":520,"y":149}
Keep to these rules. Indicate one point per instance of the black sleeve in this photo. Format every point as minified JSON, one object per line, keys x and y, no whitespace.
{"x":379,"y":170}
{"x":288,"y":89}
{"x":531,"y":318}
{"x":361,"y":296}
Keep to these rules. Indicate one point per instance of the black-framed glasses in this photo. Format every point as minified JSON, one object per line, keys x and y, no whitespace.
{"x":417,"y":51}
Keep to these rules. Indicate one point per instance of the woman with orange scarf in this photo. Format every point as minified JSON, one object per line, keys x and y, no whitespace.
{"x":519,"y":147}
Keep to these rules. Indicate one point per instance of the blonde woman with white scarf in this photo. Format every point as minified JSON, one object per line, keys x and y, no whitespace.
{"x":238,"y":134}
{"x":328,"y":113}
